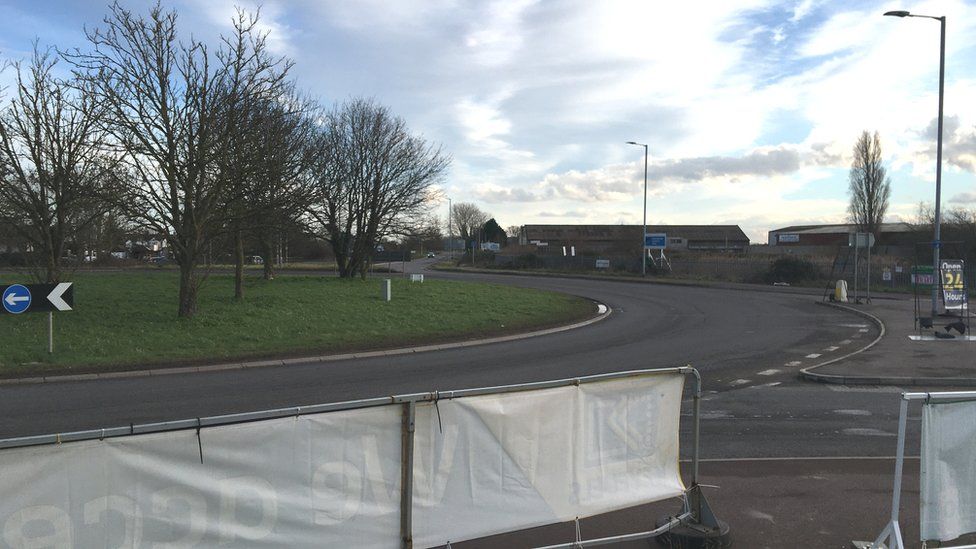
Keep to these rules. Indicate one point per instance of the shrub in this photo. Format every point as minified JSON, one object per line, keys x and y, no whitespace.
{"x":792,"y":269}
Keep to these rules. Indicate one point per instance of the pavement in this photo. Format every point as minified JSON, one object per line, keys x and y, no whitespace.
{"x":897,"y":360}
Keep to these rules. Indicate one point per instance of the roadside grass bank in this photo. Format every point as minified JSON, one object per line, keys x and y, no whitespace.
{"x":127,"y":321}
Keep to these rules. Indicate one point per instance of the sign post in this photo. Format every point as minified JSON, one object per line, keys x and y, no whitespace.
{"x":38,"y":298}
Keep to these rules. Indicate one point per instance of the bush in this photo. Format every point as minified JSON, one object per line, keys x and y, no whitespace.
{"x":792,"y":269}
{"x":527,"y":261}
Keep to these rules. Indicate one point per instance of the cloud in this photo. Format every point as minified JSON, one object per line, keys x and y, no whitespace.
{"x":279,"y":35}
{"x":572,"y":214}
{"x":958,"y":143}
{"x":623,"y":182}
{"x":964,"y":198}
{"x":780,"y":160}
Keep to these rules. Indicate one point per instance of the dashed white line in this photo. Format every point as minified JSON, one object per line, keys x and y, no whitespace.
{"x":863,"y":330}
{"x":846,"y":342}
{"x":793,"y":363}
{"x":768,"y":372}
{"x":813,"y":355}
{"x":831,"y":349}
{"x":739,"y":382}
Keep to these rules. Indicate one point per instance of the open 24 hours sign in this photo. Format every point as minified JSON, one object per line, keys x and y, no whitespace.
{"x":953,"y":284}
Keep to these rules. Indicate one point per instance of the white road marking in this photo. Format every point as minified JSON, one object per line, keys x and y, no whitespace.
{"x":846,"y":342}
{"x":739,"y":382}
{"x":831,"y":349}
{"x":793,"y":363}
{"x":854,"y":325}
{"x":865,"y":388}
{"x":760,"y":515}
{"x":773,"y":384}
{"x":601,"y":309}
{"x":863,"y":330}
{"x":768,"y":372}
{"x":867,"y":432}
{"x":853,"y":412}
{"x":813,"y":355}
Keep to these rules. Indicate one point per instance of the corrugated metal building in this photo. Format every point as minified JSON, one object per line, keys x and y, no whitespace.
{"x":626,"y":239}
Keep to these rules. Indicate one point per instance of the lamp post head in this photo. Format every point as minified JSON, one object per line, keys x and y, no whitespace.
{"x":898,"y":13}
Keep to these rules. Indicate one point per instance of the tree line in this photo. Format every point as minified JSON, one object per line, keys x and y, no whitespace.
{"x":195,"y":142}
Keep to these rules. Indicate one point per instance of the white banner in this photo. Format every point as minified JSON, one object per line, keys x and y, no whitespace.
{"x":482,"y":465}
{"x":326,"y":480}
{"x":496,"y":463}
{"x":948,"y":470}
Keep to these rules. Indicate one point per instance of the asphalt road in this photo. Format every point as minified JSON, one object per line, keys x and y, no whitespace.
{"x":760,"y":424}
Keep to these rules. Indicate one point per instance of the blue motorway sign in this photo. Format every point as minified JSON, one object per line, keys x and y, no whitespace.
{"x":16,"y":299}
{"x":655,"y":241}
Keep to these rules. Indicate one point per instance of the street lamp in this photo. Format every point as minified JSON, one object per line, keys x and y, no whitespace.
{"x":643,"y":232}
{"x":936,"y":243}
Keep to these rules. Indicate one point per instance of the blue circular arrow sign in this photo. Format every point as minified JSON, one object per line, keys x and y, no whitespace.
{"x":16,"y":299}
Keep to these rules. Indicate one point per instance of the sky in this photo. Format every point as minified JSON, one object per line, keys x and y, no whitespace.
{"x":750,"y":108}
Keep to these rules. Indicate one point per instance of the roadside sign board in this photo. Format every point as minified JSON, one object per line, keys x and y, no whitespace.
{"x":789,"y":237}
{"x":602,"y":263}
{"x":922,"y":275}
{"x":886,"y":274}
{"x":655,"y":241}
{"x":953,"y":285}
{"x":860,"y":240}
{"x":37,"y":298}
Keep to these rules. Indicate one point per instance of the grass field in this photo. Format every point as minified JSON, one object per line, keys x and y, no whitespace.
{"x":128,"y":320}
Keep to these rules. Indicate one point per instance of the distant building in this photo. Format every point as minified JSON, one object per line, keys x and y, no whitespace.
{"x":626,"y":239}
{"x":892,"y":238}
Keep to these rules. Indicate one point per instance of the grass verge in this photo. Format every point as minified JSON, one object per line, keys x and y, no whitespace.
{"x":128,"y":320}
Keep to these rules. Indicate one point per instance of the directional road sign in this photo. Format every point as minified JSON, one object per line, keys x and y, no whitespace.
{"x":655,"y":241}
{"x":37,"y":298}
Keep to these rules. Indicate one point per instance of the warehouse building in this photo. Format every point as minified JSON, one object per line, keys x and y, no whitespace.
{"x":626,"y":239}
{"x":892,"y":239}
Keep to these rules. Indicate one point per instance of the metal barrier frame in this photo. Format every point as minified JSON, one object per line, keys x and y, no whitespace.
{"x":892,"y":531}
{"x":695,"y":507}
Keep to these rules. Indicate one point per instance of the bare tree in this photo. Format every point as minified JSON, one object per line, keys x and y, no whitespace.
{"x":56,"y":178}
{"x":374,"y":181}
{"x":269,"y":175}
{"x":869,"y":186}
{"x":514,"y":231}
{"x":172,"y":108}
{"x":467,"y":219}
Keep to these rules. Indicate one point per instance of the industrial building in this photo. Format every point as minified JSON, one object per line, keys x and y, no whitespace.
{"x":892,"y":238}
{"x":626,"y":239}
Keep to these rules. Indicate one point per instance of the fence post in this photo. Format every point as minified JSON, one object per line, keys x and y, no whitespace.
{"x":406,"y":475}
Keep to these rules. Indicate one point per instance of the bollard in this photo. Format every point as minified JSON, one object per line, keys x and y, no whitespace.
{"x":840,"y":291}
{"x":385,"y":289}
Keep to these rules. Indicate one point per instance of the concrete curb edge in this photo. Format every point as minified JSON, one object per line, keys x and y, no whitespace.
{"x":807,"y":373}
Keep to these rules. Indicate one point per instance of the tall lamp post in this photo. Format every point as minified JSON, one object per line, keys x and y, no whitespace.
{"x":936,"y":242}
{"x":643,"y":249}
